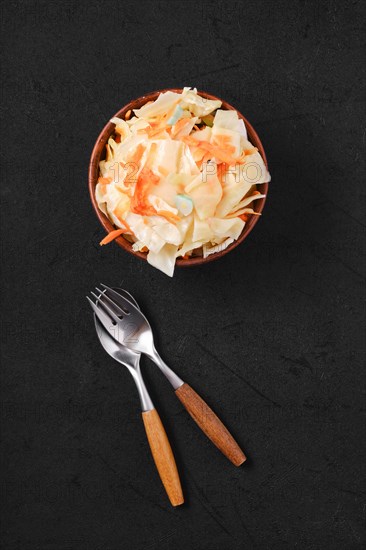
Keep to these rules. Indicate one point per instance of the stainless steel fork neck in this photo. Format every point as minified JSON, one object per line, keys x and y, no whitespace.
{"x":173,"y":378}
{"x":145,"y":399}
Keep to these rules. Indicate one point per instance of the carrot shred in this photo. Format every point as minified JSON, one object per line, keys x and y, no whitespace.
{"x":139,"y":202}
{"x":222,"y":141}
{"x":111,"y":236}
{"x":223,"y":154}
{"x":180,"y":125}
{"x":168,"y":215}
{"x":159,"y":124}
{"x":136,"y":157}
{"x":156,"y":132}
{"x":104,"y":181}
{"x":244,"y":217}
{"x":222,"y":150}
{"x":116,"y":233}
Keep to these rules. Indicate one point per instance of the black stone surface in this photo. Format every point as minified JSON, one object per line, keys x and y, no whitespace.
{"x":271,"y":336}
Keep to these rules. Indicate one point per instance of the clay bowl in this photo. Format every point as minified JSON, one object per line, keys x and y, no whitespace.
{"x":98,"y":154}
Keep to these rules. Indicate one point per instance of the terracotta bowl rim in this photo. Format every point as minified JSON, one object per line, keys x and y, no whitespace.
{"x":93,"y":174}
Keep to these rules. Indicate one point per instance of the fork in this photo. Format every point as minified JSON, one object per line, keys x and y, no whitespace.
{"x":128,"y":325}
{"x":156,"y":435}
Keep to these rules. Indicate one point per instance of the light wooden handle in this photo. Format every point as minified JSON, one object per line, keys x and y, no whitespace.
{"x":163,"y":456}
{"x":210,"y":424}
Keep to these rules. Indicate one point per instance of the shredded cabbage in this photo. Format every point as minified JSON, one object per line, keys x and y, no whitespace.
{"x":180,"y":178}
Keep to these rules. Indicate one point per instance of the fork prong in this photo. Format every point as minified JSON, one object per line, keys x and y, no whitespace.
{"x":103,"y":294}
{"x":103,"y":317}
{"x":110,"y":311}
{"x":119,"y":298}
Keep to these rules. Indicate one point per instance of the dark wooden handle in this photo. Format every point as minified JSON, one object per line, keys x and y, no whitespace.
{"x":210,"y":424}
{"x":163,"y":456}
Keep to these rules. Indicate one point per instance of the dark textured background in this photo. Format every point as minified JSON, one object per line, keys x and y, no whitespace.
{"x":271,"y":335}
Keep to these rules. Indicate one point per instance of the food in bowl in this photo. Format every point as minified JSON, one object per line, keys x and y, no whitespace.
{"x":180,"y":178}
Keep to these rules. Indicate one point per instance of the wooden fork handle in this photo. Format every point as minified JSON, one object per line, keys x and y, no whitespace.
{"x":210,"y":424}
{"x":163,"y":456}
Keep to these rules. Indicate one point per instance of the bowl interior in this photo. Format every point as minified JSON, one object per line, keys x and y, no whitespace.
{"x":99,"y":152}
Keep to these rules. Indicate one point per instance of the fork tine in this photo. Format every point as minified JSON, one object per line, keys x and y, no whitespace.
{"x":119,"y":299}
{"x":110,"y":311}
{"x":103,"y":294}
{"x":103,"y":317}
